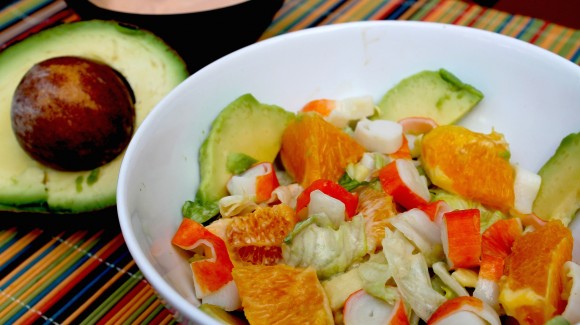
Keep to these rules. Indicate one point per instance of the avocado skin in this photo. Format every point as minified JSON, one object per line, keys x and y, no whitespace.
{"x":438,"y":94}
{"x":149,"y":65}
{"x":559,"y":194}
{"x":245,"y":126}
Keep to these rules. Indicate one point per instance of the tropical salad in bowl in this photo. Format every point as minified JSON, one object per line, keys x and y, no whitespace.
{"x":352,"y":211}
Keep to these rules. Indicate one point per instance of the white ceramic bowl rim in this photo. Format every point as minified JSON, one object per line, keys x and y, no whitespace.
{"x":170,"y":296}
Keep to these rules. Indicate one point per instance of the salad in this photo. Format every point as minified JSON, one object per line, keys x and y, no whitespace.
{"x":344,"y":214}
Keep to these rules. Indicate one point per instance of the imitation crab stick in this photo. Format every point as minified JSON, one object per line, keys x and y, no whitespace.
{"x":340,"y":112}
{"x":496,"y":244}
{"x":526,"y":188}
{"x":400,"y":179}
{"x":571,"y":279}
{"x":404,"y":151}
{"x":331,"y":189}
{"x":435,"y":210}
{"x":380,"y":136}
{"x":362,"y":308}
{"x":416,"y":125}
{"x":464,"y":310}
{"x":460,"y":234}
{"x":258,"y":181}
{"x":210,"y":264}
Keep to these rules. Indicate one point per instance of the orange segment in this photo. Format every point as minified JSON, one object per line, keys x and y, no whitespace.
{"x":281,"y":294}
{"x":377,"y":207}
{"x":257,"y":237}
{"x":531,"y":288}
{"x":312,"y":149}
{"x":496,"y":244}
{"x":473,"y":165}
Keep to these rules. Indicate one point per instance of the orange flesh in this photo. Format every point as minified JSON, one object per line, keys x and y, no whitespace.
{"x":470,"y":164}
{"x":496,"y":245}
{"x":377,"y":207}
{"x":281,"y":294}
{"x":312,"y":149}
{"x":257,"y":238}
{"x":536,"y":264}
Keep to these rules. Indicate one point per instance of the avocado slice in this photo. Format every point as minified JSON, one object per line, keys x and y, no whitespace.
{"x":148,"y":64}
{"x":559,"y":194}
{"x":439,"y":95}
{"x":245,"y":127}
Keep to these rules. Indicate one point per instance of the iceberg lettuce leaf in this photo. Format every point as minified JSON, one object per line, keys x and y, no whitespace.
{"x":327,"y":250}
{"x":411,"y":274}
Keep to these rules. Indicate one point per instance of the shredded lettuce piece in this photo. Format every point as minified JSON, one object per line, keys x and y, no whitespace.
{"x":411,"y":274}
{"x":440,"y":286}
{"x":456,"y":202}
{"x":200,"y":211}
{"x":422,"y":232}
{"x":234,"y":205}
{"x":327,"y":250}
{"x":442,"y":271}
{"x":375,"y":274}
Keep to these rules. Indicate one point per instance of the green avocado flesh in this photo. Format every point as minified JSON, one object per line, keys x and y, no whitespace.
{"x":246,"y":127}
{"x":438,"y":95}
{"x":559,"y":194}
{"x":151,"y":68}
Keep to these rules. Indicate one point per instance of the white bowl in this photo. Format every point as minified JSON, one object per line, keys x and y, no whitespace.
{"x":531,"y":96}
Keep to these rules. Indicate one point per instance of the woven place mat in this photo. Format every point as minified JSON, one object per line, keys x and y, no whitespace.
{"x":84,"y":274}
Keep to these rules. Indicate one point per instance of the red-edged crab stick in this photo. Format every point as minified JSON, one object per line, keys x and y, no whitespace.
{"x":341,"y":111}
{"x":332,"y":189}
{"x":258,"y":182}
{"x":380,"y":136}
{"x":362,"y":308}
{"x":496,"y":245}
{"x":435,"y":210}
{"x":416,"y":125}
{"x":211,"y":265}
{"x":464,"y":310}
{"x":461,"y":238}
{"x":400,"y":179}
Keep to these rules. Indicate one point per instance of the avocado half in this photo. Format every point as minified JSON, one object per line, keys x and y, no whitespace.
{"x":149,"y":65}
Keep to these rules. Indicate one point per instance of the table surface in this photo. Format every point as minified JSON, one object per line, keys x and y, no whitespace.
{"x":71,"y":270}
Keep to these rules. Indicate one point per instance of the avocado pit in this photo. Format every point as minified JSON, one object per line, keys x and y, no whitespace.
{"x":72,"y":113}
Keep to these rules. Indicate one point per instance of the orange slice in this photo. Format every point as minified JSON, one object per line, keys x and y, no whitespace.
{"x":377,"y":208}
{"x":531,"y":289}
{"x":312,"y":149}
{"x":281,"y":294}
{"x":473,"y":165}
{"x":256,"y":238}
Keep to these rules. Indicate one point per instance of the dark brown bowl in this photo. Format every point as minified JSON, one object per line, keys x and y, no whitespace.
{"x":199,"y":37}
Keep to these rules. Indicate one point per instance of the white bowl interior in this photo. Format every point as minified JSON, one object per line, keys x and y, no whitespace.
{"x":531,"y":96}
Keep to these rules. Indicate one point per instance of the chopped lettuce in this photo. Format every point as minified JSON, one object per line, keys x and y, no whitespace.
{"x":327,"y":250}
{"x":200,"y":211}
{"x":422,"y":232}
{"x":375,"y":275}
{"x":411,"y":274}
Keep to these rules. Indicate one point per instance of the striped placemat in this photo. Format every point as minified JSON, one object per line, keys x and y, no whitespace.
{"x":74,"y":272}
